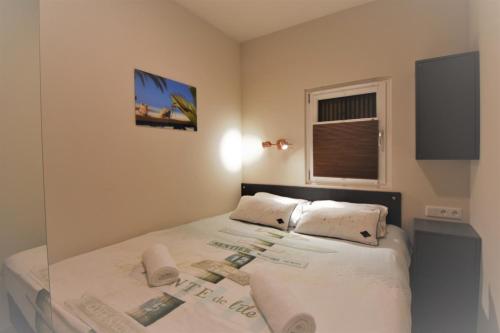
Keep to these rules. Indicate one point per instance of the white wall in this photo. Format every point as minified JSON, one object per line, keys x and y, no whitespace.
{"x":21,"y":187}
{"x":106,"y":178}
{"x":485,"y":183}
{"x":379,"y":39}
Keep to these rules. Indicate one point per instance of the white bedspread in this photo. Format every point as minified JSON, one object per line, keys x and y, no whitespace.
{"x":348,"y":287}
{"x":24,"y":276}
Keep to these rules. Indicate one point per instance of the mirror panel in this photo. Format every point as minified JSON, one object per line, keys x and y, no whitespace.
{"x":24,"y":282}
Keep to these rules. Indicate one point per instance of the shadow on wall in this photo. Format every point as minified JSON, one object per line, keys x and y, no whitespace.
{"x":443,"y":175}
{"x":488,"y":323}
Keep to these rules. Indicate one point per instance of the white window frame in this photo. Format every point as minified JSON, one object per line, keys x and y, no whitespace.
{"x":382,"y":87}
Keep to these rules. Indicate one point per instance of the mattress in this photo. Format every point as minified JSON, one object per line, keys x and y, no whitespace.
{"x":348,"y":287}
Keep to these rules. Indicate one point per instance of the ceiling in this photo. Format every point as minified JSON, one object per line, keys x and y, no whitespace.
{"x":247,"y":19}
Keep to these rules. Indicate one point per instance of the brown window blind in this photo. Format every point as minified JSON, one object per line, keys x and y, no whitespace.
{"x":346,"y":150}
{"x":349,"y":107}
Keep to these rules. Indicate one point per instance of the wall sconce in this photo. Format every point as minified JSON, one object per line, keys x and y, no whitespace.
{"x":281,"y":144}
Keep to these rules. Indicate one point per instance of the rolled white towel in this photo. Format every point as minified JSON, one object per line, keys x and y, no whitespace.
{"x":282,"y":310}
{"x":159,"y":265}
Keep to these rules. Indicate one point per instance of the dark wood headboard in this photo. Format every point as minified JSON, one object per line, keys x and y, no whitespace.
{"x":391,"y":200}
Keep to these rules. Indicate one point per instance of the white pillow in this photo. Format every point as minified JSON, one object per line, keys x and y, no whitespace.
{"x":340,"y":220}
{"x":267,"y":211}
{"x":297,"y":212}
{"x":382,"y":221}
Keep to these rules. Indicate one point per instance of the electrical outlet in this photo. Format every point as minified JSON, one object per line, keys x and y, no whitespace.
{"x":451,"y":213}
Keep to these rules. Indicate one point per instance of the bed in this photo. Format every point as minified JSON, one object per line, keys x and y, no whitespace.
{"x":349,"y":287}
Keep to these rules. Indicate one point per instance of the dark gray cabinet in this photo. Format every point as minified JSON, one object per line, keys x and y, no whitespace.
{"x":445,"y":277}
{"x":447,"y":107}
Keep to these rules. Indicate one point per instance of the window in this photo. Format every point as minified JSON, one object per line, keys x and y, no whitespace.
{"x":346,"y":134}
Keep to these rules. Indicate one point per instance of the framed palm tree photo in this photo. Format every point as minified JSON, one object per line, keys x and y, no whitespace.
{"x":161,"y":102}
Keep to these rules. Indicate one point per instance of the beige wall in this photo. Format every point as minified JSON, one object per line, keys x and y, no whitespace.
{"x":485,"y":183}
{"x":21,"y":188}
{"x":380,"y":39}
{"x":106,"y":178}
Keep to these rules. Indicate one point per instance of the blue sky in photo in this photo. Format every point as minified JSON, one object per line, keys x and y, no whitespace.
{"x":151,"y":95}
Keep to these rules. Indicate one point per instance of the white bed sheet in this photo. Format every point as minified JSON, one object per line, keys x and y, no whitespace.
{"x":348,"y":287}
{"x":24,"y":277}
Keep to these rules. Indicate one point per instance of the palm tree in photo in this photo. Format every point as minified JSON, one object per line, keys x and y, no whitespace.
{"x":192,"y":90}
{"x":159,"y":82}
{"x":187,"y":108}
